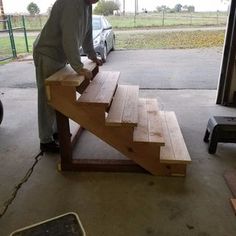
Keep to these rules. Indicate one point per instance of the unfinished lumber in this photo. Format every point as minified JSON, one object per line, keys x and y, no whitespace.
{"x":100,"y":90}
{"x":149,"y":127}
{"x":175,"y":150}
{"x":68,"y":77}
{"x":124,"y":107}
{"x":233,"y":204}
{"x":133,"y":126}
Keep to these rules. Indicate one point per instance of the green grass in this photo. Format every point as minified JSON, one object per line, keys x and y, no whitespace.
{"x":156,"y":40}
{"x":169,"y":19}
{"x":144,"y":40}
{"x":5,"y":46}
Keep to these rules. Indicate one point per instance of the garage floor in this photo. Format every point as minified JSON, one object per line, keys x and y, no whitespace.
{"x":115,"y":204}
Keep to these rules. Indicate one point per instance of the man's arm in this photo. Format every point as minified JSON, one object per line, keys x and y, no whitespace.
{"x":88,"y":42}
{"x":72,"y":26}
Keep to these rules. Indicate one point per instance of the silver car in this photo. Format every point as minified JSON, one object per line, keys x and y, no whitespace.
{"x":103,"y":37}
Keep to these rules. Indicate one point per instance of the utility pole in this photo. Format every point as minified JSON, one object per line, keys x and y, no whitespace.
{"x":123,"y":7}
{"x":135,"y":10}
{"x":136,"y":6}
{"x":1,"y":9}
{"x":2,"y":14}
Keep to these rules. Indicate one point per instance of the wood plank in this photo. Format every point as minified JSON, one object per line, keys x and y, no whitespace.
{"x":154,"y":125}
{"x":141,"y":131}
{"x":101,"y":89}
{"x":233,"y":204}
{"x":120,"y":165}
{"x":149,"y":128}
{"x":68,"y":77}
{"x":124,"y":108}
{"x":167,"y":153}
{"x":230,"y":178}
{"x":175,"y":150}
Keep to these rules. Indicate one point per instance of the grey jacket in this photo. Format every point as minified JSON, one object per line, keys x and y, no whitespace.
{"x":68,"y":28}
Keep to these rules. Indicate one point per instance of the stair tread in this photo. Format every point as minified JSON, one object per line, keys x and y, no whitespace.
{"x":149,"y":127}
{"x":68,"y":77}
{"x":175,"y":150}
{"x":101,"y":89}
{"x":124,"y":108}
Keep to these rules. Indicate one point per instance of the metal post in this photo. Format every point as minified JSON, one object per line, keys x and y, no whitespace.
{"x":40,"y":21}
{"x":13,"y":46}
{"x":123,"y":7}
{"x":25,"y":34}
{"x":135,"y":12}
{"x":191,"y":19}
{"x":163,"y":17}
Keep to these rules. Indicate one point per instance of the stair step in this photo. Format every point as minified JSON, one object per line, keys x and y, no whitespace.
{"x":68,"y":77}
{"x":101,"y":89}
{"x":175,"y":150}
{"x":149,"y":128}
{"x":124,"y":107}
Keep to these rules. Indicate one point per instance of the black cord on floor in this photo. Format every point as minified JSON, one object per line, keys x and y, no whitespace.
{"x":18,"y":186}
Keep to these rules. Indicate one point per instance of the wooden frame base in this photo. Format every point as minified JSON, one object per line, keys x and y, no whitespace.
{"x":68,"y":141}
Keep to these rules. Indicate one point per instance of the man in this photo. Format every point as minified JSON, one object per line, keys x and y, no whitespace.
{"x":68,"y":28}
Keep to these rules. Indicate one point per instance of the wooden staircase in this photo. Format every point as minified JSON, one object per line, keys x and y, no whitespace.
{"x":115,"y":113}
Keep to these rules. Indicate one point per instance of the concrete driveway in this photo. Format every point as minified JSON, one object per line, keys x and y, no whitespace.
{"x":120,"y":204}
{"x":150,"y":69}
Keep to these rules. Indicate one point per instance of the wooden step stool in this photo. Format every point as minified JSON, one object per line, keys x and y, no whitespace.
{"x":220,"y":129}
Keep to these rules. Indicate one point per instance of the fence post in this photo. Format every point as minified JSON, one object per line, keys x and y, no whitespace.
{"x":40,"y":21}
{"x":163,"y":17}
{"x":25,"y":34}
{"x":13,"y":46}
{"x":191,"y":19}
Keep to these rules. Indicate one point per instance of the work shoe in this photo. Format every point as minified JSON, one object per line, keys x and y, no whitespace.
{"x":56,"y":136}
{"x":50,"y":147}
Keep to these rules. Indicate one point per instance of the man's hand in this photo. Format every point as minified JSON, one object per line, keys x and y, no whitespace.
{"x":86,"y":73}
{"x":99,"y":62}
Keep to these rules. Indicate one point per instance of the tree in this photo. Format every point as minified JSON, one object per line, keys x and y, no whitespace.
{"x":106,"y":7}
{"x":49,"y":10}
{"x":178,"y":7}
{"x":162,"y":8}
{"x":33,"y":9}
{"x":189,"y":8}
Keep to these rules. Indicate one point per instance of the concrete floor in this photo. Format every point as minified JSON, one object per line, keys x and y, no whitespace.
{"x":116,"y":204}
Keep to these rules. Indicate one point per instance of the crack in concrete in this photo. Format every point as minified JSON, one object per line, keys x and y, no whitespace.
{"x":18,"y":186}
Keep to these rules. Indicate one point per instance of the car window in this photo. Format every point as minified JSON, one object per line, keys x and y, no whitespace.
{"x":96,"y":23}
{"x":106,"y":23}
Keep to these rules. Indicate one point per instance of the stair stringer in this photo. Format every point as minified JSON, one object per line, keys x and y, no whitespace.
{"x":92,"y":118}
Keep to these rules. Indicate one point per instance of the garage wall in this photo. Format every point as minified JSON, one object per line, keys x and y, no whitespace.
{"x":232,"y":92}
{"x":227,"y":82}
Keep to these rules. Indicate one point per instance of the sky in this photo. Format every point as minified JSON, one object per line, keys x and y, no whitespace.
{"x":10,"y":6}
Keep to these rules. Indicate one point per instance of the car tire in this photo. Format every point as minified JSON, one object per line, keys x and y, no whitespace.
{"x":104,"y":55}
{"x":1,"y":112}
{"x":113,"y":44}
